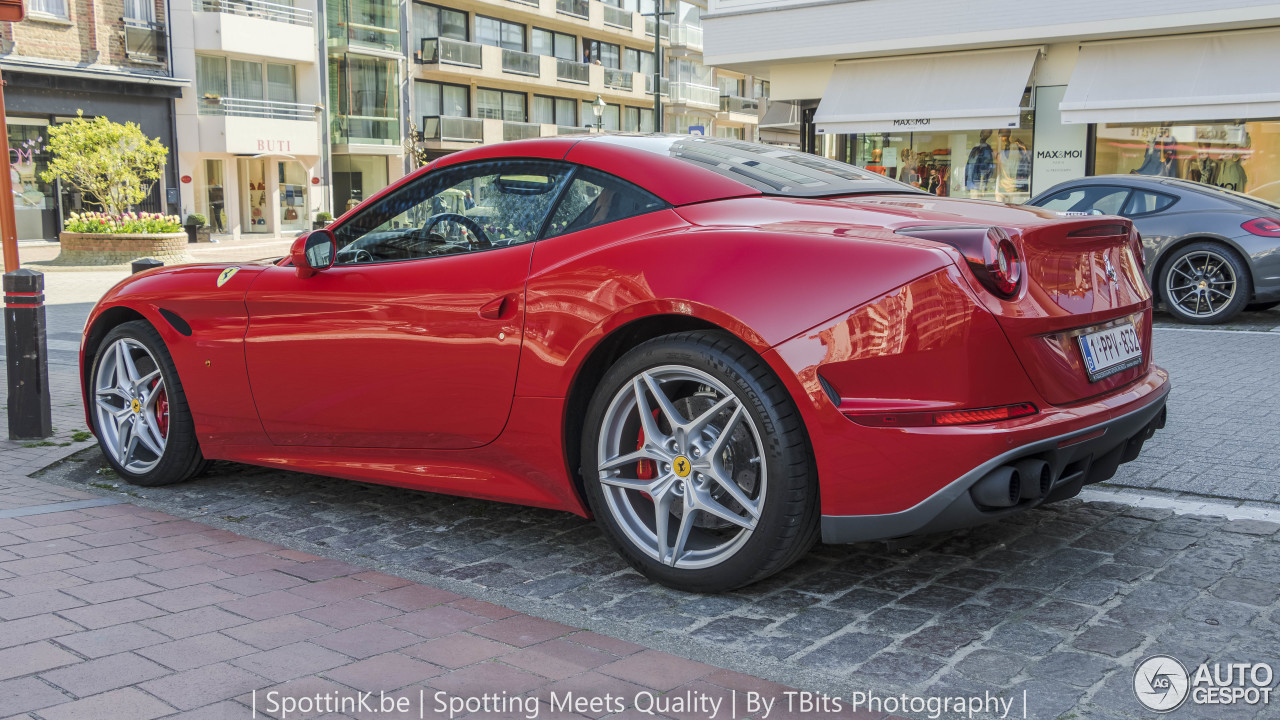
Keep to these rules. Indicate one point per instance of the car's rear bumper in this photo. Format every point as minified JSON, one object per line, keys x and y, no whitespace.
{"x":1085,"y":455}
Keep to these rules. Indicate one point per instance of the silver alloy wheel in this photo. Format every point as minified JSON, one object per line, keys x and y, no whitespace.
{"x":1201,"y":284}
{"x":706,"y":474}
{"x":130,"y":403}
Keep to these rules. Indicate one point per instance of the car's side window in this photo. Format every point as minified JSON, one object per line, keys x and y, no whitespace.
{"x":595,"y":198}
{"x":1095,"y":199}
{"x":1142,"y":202}
{"x":455,"y":210}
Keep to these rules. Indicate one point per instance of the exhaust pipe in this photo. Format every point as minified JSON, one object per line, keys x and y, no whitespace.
{"x":1037,"y":479}
{"x":1000,"y":488}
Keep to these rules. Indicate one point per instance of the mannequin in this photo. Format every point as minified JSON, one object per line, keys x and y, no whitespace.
{"x":980,"y":167}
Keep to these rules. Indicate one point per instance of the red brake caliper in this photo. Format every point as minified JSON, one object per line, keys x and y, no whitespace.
{"x":646,"y":469}
{"x":162,"y":413}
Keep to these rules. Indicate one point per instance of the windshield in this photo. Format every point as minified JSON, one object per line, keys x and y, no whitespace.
{"x":770,"y":169}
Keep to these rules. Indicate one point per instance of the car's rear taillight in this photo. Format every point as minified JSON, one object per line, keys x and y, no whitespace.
{"x":1135,"y":243}
{"x":989,"y":252}
{"x":944,"y":418}
{"x":1264,"y":227}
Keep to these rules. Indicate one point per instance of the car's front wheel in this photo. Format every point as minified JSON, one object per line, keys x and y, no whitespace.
{"x":697,"y":466}
{"x":1205,"y":283}
{"x":140,"y":413}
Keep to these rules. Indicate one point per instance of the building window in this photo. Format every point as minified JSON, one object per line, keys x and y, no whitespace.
{"x":501,"y":105}
{"x":637,"y":61}
{"x":281,"y":84}
{"x":499,"y":33}
{"x":554,"y":44}
{"x":246,"y":79}
{"x":760,"y":89}
{"x":141,"y":10}
{"x":433,"y":98}
{"x":689,"y":71}
{"x":211,"y":77}
{"x":557,"y":111}
{"x":368,"y":23}
{"x":730,"y":86}
{"x":431,"y":21}
{"x":220,"y":78}
{"x":637,"y":119}
{"x":57,"y":8}
{"x":365,"y":92}
{"x":729,"y":132}
{"x":1235,"y":155}
{"x":606,"y":54}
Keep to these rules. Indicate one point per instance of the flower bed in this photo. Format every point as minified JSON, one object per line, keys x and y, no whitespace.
{"x":101,"y":239}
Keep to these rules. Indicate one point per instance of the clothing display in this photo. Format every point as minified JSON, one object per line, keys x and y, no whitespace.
{"x":1231,"y":175}
{"x":979,"y":168}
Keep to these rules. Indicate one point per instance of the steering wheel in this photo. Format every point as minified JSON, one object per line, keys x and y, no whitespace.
{"x":482,"y":240}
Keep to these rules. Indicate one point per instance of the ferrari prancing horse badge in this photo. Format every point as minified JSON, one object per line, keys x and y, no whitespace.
{"x":227,"y":275}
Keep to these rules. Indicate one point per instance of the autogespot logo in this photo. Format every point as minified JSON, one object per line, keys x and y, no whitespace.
{"x":1161,"y":683}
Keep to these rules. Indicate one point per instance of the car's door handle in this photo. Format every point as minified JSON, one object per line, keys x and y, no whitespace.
{"x":501,"y":308}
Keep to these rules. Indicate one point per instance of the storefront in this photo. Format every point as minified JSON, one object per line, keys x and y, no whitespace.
{"x":1005,"y":123}
{"x":36,"y":100}
{"x":269,"y":195}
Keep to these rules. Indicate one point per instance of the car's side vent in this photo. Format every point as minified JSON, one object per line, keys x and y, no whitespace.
{"x":830,"y":390}
{"x":176,"y":321}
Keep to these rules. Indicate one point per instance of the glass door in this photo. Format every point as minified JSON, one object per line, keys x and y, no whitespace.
{"x":293,"y":195}
{"x":253,"y":195}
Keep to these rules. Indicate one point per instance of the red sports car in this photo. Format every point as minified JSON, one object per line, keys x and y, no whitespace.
{"x":719,"y":349}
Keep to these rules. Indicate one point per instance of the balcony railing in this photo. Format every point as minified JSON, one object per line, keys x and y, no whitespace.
{"x":570,"y":130}
{"x":521,"y":63}
{"x":365,"y":130}
{"x":666,"y":28}
{"x":691,"y":94}
{"x":574,"y":72}
{"x":366,"y":24}
{"x":737,"y":104}
{"x":617,"y":79}
{"x":576,"y":8}
{"x":246,"y":107}
{"x":520,"y":130}
{"x":144,"y":40}
{"x":617,"y":17}
{"x":450,"y":51}
{"x":450,"y":128}
{"x":689,"y":36}
{"x":276,"y":12}
{"x":648,"y":85}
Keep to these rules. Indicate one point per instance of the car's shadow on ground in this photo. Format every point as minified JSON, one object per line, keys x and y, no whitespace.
{"x":1060,"y":601}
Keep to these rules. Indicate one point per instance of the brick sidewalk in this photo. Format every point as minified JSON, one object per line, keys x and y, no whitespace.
{"x":115,"y":611}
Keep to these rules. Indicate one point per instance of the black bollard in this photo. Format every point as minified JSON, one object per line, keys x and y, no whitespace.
{"x":27,"y":355}
{"x":145,"y":264}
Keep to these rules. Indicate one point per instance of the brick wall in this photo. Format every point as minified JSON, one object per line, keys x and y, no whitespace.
{"x":93,"y":33}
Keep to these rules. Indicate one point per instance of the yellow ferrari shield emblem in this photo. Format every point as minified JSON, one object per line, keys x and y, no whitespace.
{"x":681,"y":466}
{"x":227,"y":275}
{"x":135,"y":406}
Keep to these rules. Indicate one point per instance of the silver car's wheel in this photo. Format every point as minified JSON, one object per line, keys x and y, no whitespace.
{"x":681,"y":464}
{"x":132,"y":406}
{"x":696,"y":464}
{"x":1205,"y":283}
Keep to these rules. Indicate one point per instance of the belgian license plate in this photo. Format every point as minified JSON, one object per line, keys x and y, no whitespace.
{"x":1110,"y":351}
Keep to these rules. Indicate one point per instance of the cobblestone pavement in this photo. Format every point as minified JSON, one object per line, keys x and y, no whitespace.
{"x":1060,"y":602}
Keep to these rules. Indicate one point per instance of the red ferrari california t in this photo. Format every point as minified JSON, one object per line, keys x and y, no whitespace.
{"x":721,"y":350}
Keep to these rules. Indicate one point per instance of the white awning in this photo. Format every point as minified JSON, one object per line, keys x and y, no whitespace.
{"x":1214,"y":76}
{"x":978,"y":90}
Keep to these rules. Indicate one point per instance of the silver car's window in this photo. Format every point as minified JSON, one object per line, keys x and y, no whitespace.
{"x":1095,"y":199}
{"x":1142,"y":202}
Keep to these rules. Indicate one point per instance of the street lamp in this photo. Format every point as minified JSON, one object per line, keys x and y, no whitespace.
{"x":597,"y":109}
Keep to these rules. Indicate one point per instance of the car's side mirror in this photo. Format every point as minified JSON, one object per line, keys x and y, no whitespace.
{"x":314,"y":252}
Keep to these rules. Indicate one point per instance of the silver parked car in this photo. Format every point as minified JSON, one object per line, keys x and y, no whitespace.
{"x":1210,"y":253}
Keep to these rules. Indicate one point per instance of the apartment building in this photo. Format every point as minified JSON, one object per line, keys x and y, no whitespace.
{"x":103,"y":57}
{"x":484,"y":71}
{"x":703,"y":99}
{"x":250,"y":129}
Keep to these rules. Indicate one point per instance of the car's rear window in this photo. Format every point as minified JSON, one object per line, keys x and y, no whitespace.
{"x":770,"y":169}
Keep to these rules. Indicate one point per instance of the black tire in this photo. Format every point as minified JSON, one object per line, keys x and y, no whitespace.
{"x":1261,"y":307}
{"x":181,"y":458}
{"x":788,"y":521}
{"x":1219,"y":260}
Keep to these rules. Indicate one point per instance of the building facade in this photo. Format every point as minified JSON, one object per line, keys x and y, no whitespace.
{"x":999,"y":99}
{"x":251,"y":126}
{"x":103,"y":57}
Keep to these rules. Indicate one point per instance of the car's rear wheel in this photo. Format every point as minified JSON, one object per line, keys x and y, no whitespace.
{"x":696,"y":464}
{"x":1205,"y":283}
{"x":140,"y":412}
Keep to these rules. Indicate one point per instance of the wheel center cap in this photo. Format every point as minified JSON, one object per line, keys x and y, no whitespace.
{"x":681,"y":466}
{"x":135,"y":405}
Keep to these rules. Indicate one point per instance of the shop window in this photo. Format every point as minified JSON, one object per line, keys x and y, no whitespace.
{"x":597,"y":198}
{"x":292,"y":177}
{"x":1142,"y":202}
{"x":211,"y":198}
{"x":1094,"y":199}
{"x":1231,"y":155}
